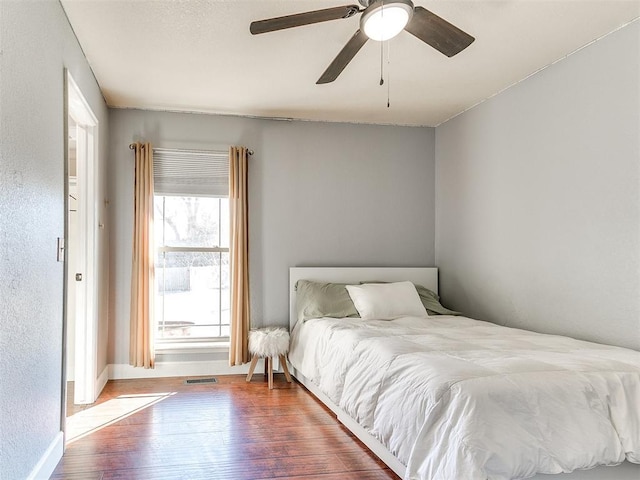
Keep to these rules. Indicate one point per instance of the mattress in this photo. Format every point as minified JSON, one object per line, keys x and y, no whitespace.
{"x":457,"y":398}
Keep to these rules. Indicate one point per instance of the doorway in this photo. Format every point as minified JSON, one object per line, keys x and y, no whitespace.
{"x":80,"y":252}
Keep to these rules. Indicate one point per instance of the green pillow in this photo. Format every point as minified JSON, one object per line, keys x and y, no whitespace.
{"x":319,"y":299}
{"x":431,"y":302}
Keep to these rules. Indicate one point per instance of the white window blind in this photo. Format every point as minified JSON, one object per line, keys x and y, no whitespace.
{"x":190,"y":172}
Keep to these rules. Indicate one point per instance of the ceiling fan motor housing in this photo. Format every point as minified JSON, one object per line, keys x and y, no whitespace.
{"x":366,"y":3}
{"x":384,"y":19}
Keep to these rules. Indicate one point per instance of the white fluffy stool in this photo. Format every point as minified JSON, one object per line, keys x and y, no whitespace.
{"x":268,"y":343}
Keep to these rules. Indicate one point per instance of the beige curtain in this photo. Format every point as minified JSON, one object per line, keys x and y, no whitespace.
{"x":141,"y":353}
{"x":239,"y":255}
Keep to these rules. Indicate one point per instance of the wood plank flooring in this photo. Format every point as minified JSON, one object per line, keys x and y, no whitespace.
{"x":162,"y":429}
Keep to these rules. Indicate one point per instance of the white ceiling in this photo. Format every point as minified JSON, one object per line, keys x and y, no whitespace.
{"x":198,"y":56}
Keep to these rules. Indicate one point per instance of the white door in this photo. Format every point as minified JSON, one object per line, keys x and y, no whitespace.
{"x":81,"y":305}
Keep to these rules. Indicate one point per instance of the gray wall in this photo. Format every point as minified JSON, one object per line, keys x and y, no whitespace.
{"x":319,"y":194}
{"x":37,"y":43}
{"x":538,"y":199}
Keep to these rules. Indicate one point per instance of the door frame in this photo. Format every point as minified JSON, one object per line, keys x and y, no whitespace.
{"x":86,"y":306}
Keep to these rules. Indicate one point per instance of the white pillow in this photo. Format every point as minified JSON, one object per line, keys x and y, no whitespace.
{"x":386,"y":301}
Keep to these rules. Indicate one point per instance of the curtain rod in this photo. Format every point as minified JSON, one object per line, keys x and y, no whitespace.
{"x":133,"y":146}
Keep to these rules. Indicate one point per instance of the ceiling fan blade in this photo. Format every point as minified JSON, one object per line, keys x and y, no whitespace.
{"x":437,"y":32}
{"x":299,"y":19}
{"x":347,"y":53}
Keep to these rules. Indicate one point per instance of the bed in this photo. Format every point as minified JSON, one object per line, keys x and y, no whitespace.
{"x":448,"y":397}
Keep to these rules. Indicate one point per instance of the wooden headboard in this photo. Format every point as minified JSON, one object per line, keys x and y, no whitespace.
{"x":425,"y":276}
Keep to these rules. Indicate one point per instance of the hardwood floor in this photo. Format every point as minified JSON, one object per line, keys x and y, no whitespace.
{"x":232,"y":430}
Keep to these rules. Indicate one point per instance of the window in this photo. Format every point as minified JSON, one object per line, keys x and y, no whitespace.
{"x":191,"y":235}
{"x":192,"y":268}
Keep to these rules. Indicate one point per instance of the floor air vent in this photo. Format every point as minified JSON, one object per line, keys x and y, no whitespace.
{"x":191,"y":381}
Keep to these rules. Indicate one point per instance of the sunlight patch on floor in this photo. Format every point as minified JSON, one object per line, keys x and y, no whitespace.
{"x":92,"y":419}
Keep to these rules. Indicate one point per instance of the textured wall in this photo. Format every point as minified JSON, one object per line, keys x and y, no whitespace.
{"x":538,"y":199}
{"x":36,"y":44}
{"x":319,"y":194}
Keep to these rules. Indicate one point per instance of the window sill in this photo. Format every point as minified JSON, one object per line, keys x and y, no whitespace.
{"x":195,"y":347}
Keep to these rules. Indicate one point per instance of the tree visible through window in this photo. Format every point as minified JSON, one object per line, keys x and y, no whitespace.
{"x":192,"y":268}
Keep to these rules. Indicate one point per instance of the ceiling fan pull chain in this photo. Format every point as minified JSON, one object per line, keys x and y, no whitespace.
{"x":382,"y":51}
{"x":388,"y":73}
{"x":381,"y":65}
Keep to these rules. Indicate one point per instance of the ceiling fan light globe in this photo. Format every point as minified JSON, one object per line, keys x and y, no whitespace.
{"x":384,"y":20}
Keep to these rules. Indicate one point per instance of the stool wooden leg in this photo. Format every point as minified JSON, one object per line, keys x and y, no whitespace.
{"x":252,"y":367}
{"x":283,"y":362}
{"x":270,"y":373}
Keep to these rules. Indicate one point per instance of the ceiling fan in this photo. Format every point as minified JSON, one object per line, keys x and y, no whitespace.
{"x":380,"y":20}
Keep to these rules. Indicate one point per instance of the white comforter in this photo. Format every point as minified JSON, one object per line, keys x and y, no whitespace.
{"x":455,"y":398}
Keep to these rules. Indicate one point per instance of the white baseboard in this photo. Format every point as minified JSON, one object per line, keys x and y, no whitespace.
{"x":120,"y":371}
{"x":102,"y":380}
{"x":48,"y":462}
